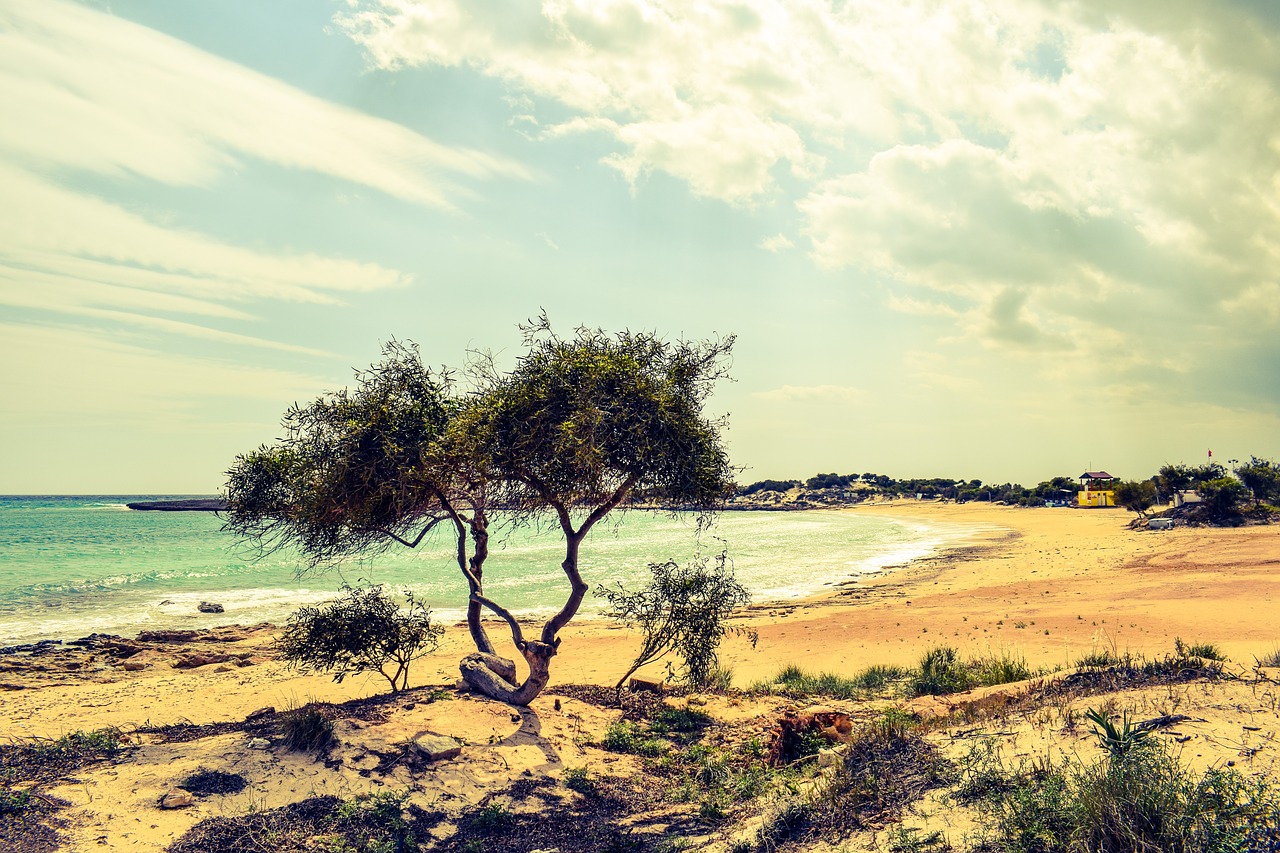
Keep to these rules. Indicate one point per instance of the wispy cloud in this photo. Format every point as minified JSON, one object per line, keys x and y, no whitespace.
{"x":1080,"y":163}
{"x":812,"y":393}
{"x":776,"y":243}
{"x":88,"y":94}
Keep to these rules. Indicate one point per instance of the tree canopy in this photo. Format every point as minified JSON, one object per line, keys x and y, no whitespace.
{"x":578,"y":428}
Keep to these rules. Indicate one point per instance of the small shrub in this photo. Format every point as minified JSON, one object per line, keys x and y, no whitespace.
{"x":1201,"y":651}
{"x":669,"y":719}
{"x":940,"y":672}
{"x":1118,"y":742}
{"x":1137,"y":798}
{"x":1098,"y":659}
{"x":14,"y":801}
{"x":1271,"y":658}
{"x":579,"y":779}
{"x":363,"y":630}
{"x":912,"y":841}
{"x":625,"y":736}
{"x":493,"y":819}
{"x":1001,"y":668}
{"x":793,"y":681}
{"x":306,"y":729}
{"x":684,"y":610}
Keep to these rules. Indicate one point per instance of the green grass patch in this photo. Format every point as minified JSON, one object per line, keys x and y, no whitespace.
{"x":796,"y":682}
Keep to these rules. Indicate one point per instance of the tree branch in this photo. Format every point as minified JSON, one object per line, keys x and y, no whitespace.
{"x":414,"y":544}
{"x":517,"y":633}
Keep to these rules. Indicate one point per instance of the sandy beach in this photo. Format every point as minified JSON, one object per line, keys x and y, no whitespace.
{"x":1050,"y":584}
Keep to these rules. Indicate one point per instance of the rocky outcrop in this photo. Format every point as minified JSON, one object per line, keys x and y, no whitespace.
{"x":187,"y":505}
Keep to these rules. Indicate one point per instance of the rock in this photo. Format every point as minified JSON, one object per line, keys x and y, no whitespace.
{"x":134,"y":665}
{"x":646,"y":685}
{"x":828,"y":758}
{"x":210,"y":607}
{"x":177,"y":799}
{"x":265,"y":711}
{"x":222,"y":667}
{"x":438,"y":747}
{"x":259,"y":743}
{"x":166,"y":636}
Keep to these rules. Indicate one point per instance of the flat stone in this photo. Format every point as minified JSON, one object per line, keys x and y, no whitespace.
{"x":177,"y":799}
{"x":438,"y":747}
{"x":259,"y":743}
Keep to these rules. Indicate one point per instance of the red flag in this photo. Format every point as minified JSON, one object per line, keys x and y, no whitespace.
{"x":1210,"y":454}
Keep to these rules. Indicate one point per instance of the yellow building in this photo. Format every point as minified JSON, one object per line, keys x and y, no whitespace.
{"x":1095,"y":490}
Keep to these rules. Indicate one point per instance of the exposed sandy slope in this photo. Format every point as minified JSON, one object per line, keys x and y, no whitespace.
{"x":1073,"y":580}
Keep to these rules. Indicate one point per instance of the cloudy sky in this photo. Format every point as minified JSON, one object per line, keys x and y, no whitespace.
{"x":989,"y":239}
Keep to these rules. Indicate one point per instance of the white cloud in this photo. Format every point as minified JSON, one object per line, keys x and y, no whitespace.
{"x":1055,"y":168}
{"x":92,"y":92}
{"x":776,"y":243}
{"x":89,"y":94}
{"x":812,"y":393}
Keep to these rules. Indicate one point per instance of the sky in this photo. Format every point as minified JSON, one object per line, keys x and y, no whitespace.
{"x":995,"y":240}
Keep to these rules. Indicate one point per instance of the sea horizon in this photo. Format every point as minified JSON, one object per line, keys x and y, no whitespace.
{"x":73,"y":565}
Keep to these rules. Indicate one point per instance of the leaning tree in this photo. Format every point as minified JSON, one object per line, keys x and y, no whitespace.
{"x":580,"y":427}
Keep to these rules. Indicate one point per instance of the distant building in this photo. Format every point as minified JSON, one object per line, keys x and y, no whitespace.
{"x":1187,"y":496}
{"x":1096,"y":490}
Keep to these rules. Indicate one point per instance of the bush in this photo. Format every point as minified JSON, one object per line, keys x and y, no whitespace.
{"x":1136,"y":798}
{"x":307,"y":729}
{"x":940,"y":672}
{"x":364,"y":630}
{"x":683,"y":610}
{"x":625,"y":736}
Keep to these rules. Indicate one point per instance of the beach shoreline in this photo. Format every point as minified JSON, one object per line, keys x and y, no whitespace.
{"x":1048,"y":584}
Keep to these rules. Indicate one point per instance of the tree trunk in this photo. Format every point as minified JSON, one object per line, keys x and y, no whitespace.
{"x":494,"y":677}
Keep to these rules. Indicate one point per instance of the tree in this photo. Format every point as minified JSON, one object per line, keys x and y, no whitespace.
{"x":1136,"y":495}
{"x":1262,"y":477}
{"x":682,"y":610}
{"x":1222,"y":498}
{"x":363,"y":630}
{"x":577,"y":428}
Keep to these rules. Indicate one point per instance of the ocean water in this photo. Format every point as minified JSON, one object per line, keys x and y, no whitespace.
{"x":70,"y":566}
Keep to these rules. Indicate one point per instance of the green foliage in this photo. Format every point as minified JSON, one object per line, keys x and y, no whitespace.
{"x":684,"y":609}
{"x":1137,"y":798}
{"x":668,"y":719}
{"x":579,"y":779}
{"x":1119,"y":742}
{"x":768,"y":486}
{"x":1136,"y":496}
{"x":913,"y":840}
{"x":626,"y":736}
{"x":793,"y":681}
{"x":363,"y":630}
{"x":349,"y":474}
{"x":493,"y":819}
{"x":1098,"y":659}
{"x":306,"y":729}
{"x":582,"y":421}
{"x":1197,"y":651}
{"x":13,"y":801}
{"x":1262,"y":478}
{"x":941,"y":672}
{"x":1222,"y":497}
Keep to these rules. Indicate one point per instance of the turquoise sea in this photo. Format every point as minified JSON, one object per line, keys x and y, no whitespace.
{"x":70,"y":566}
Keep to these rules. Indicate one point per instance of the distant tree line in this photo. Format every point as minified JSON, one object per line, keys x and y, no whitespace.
{"x":869,"y":484}
{"x":1255,"y":484}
